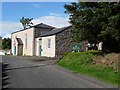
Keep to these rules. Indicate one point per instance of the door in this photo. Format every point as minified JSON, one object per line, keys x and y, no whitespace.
{"x":14,"y":50}
{"x":20,"y":50}
{"x":40,"y":49}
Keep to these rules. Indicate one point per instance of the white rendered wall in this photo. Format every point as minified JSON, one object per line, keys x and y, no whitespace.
{"x":47,"y":52}
{"x":30,"y":40}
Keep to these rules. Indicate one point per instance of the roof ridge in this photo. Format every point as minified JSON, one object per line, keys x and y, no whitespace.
{"x":44,"y":24}
{"x":62,"y":27}
{"x":55,"y":31}
{"x":35,"y":26}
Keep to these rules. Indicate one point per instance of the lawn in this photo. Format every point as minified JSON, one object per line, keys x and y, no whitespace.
{"x":81,"y":63}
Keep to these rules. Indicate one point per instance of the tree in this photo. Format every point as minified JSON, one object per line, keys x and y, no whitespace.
{"x":26,"y":22}
{"x":6,"y":43}
{"x":96,"y":21}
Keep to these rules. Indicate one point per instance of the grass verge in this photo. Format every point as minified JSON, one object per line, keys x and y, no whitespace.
{"x":81,"y":63}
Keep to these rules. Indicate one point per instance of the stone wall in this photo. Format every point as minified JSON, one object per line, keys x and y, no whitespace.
{"x":110,"y":60}
{"x":63,"y":42}
{"x":40,"y":31}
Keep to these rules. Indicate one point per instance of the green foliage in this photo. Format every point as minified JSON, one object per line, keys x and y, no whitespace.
{"x":26,"y":22}
{"x":95,"y":21}
{"x":81,"y":63}
{"x":6,"y":43}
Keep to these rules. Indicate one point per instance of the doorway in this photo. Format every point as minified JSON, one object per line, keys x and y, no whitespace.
{"x":20,"y":50}
{"x":14,"y":50}
{"x":40,"y":47}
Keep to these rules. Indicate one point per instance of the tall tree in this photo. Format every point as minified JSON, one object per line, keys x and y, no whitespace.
{"x":26,"y":22}
{"x":6,"y":43}
{"x":96,"y":21}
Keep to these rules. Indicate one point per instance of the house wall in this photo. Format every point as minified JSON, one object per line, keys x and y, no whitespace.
{"x":47,"y":52}
{"x":30,"y":39}
{"x":37,"y":33}
{"x":63,"y":42}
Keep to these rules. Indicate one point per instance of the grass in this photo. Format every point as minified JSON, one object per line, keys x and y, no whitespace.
{"x":80,"y":62}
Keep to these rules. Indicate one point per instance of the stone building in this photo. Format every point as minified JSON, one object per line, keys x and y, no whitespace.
{"x":54,"y":43}
{"x":41,"y":40}
{"x":23,"y":41}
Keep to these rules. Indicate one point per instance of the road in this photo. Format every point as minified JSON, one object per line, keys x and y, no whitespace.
{"x":23,"y":73}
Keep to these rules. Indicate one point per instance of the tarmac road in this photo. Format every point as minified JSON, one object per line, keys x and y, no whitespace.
{"x":23,"y":73}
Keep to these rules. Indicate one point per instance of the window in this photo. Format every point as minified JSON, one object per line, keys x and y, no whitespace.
{"x":40,"y":41}
{"x":26,"y":41}
{"x":49,"y":43}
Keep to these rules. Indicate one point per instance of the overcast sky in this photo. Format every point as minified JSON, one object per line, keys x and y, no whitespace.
{"x":51,"y":13}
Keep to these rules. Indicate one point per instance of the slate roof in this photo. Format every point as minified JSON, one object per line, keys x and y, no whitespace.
{"x":41,"y":25}
{"x":19,"y":41}
{"x":55,"y":31}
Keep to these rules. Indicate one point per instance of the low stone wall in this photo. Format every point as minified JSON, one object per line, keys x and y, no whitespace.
{"x":109,"y":60}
